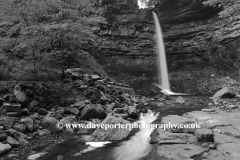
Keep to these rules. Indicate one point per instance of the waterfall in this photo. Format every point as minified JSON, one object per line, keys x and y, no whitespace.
{"x":138,"y":146}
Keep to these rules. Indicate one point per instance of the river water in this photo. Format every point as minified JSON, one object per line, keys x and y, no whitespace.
{"x":76,"y":149}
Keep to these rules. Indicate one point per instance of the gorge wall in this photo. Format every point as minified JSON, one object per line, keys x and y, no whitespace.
{"x":194,"y":36}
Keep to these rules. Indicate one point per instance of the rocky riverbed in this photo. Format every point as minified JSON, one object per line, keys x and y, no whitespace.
{"x":31,"y":110}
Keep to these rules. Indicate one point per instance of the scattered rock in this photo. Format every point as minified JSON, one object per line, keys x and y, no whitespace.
{"x":29,"y":123}
{"x":4,"y":148}
{"x":13,"y":142}
{"x":224,"y":93}
{"x":36,"y":156}
{"x":132,"y":112}
{"x":19,"y":127}
{"x":92,"y":111}
{"x":42,"y":111}
{"x":32,"y":105}
{"x":12,"y":107}
{"x":14,"y":114}
{"x":180,"y":100}
{"x":44,"y":132}
{"x":50,"y":124}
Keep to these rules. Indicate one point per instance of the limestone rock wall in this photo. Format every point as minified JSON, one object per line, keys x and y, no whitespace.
{"x":194,"y":36}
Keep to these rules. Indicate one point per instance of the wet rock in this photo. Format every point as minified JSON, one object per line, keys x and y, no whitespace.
{"x":224,"y":93}
{"x":36,"y":156}
{"x":19,"y":127}
{"x":179,"y":123}
{"x":132,"y":112}
{"x":93,"y":111}
{"x":179,"y":151}
{"x":180,"y":100}
{"x":28,"y":123}
{"x":204,"y":135}
{"x":4,"y":148}
{"x":32,"y":105}
{"x":230,"y":150}
{"x":50,"y":123}
{"x":44,"y":132}
{"x":12,"y":107}
{"x":13,"y":142}
{"x":102,"y":134}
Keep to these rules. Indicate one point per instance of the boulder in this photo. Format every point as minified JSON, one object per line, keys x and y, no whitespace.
{"x":13,"y":142}
{"x":44,"y":132}
{"x":132,"y":112}
{"x":19,"y":127}
{"x":69,"y":120}
{"x":50,"y":123}
{"x":204,"y":135}
{"x":12,"y":107}
{"x":93,"y":111}
{"x":8,"y":121}
{"x":4,"y":148}
{"x":21,"y":137}
{"x":3,"y":137}
{"x":180,"y":100}
{"x":70,"y":110}
{"x":224,"y":93}
{"x":14,"y":114}
{"x":113,"y":133}
{"x":42,"y":111}
{"x":28,"y":123}
{"x":32,"y":105}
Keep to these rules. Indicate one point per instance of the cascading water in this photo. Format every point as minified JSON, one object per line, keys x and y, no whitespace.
{"x":161,"y":57}
{"x":138,"y":146}
{"x":164,"y":83}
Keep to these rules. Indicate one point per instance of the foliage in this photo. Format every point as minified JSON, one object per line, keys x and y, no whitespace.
{"x":49,"y":31}
{"x":230,"y":7}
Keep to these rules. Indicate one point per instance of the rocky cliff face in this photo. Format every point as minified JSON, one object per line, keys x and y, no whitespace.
{"x":193,"y":35}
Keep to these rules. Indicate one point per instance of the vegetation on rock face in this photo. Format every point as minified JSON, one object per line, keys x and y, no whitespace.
{"x":38,"y":37}
{"x":230,"y":7}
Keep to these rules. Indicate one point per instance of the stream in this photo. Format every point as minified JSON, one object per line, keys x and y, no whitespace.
{"x":72,"y":147}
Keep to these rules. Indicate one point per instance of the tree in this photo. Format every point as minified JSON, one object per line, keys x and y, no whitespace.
{"x":229,"y":7}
